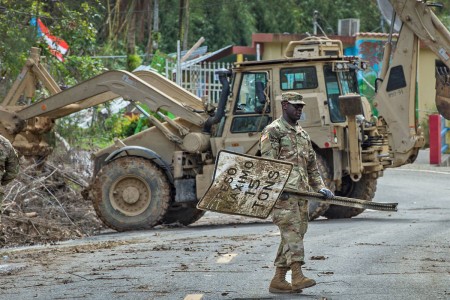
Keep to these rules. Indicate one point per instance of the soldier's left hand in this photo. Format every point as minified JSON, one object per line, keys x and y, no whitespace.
{"x":327,"y":193}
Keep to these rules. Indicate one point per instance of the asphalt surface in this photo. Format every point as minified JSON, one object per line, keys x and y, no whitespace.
{"x":377,"y":255}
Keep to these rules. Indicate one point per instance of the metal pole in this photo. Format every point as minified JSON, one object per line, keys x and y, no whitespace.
{"x":258,"y":52}
{"x":178,"y":63}
{"x":315,"y":22}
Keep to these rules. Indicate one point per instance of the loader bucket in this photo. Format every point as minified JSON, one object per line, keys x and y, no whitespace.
{"x":443,"y":91}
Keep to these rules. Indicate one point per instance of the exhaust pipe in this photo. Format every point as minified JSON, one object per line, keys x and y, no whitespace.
{"x":220,"y":111}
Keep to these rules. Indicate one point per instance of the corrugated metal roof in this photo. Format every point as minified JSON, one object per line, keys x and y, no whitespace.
{"x":196,"y":53}
{"x":374,"y":35}
{"x":204,"y":57}
{"x":191,"y":62}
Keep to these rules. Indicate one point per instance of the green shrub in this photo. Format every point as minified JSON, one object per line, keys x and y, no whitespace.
{"x":133,"y":61}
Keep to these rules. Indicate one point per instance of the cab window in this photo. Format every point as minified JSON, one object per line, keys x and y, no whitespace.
{"x":298,"y":78}
{"x":243,"y":124}
{"x":252,"y":94}
{"x":252,"y":108}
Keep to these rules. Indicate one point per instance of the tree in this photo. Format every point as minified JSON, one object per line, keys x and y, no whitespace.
{"x":129,"y":23}
{"x":74,"y":22}
{"x":134,"y":27}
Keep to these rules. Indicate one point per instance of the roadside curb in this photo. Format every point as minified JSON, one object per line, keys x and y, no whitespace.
{"x":422,"y":162}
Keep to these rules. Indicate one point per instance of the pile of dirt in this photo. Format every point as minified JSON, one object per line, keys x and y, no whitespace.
{"x":44,"y":203}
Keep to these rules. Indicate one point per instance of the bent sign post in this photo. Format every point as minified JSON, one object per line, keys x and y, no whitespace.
{"x":249,"y":186}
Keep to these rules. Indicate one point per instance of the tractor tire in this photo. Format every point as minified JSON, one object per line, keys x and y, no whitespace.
{"x":184,"y":215}
{"x":131,"y":193}
{"x":317,"y":209}
{"x":363,"y":189}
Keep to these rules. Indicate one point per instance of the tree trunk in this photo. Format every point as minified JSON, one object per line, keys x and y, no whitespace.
{"x":149,"y":48}
{"x":131,"y":32}
{"x":115,"y":21}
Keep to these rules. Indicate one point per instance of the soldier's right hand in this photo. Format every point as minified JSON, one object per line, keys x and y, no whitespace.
{"x":327,"y":193}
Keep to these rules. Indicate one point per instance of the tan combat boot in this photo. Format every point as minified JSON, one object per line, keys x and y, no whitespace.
{"x":299,"y":281}
{"x":279,"y":285}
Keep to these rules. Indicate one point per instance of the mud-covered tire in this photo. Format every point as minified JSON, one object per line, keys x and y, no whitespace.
{"x":363,"y":189}
{"x":131,"y":193}
{"x":185,"y":215}
{"x":317,"y":209}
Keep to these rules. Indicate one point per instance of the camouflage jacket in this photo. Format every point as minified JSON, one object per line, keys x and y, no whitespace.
{"x":9,"y":161}
{"x":280,"y":140}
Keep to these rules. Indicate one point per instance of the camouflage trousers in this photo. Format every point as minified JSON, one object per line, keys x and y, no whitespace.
{"x":291,"y":217}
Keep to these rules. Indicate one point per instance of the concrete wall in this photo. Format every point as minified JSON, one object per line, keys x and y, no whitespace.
{"x":273,"y":50}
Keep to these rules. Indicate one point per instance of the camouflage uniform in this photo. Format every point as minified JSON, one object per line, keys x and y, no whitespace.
{"x":280,"y":140}
{"x":9,"y":165}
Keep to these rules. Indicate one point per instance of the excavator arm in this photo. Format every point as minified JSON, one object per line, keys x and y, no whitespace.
{"x":418,"y":16}
{"x":396,"y":96}
{"x":25,"y":126}
{"x":114,"y":84}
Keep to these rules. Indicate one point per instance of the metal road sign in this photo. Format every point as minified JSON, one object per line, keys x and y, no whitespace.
{"x":245,"y":185}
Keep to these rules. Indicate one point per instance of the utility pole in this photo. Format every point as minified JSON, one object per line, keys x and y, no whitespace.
{"x":316,"y":24}
{"x":315,"y":14}
{"x":180,"y":20}
{"x":186,"y":25}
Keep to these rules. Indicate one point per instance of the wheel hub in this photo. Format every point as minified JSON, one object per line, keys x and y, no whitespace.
{"x":130,"y":195}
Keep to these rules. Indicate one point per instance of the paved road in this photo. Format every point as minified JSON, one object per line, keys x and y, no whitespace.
{"x":378,"y":255}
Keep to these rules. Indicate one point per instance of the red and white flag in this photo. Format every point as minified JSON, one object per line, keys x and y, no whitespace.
{"x":58,"y":47}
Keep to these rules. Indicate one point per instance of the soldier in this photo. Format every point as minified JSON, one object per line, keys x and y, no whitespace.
{"x":9,"y":165}
{"x":285,"y":140}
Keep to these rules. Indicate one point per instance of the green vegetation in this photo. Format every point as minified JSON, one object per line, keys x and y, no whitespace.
{"x":94,"y":28}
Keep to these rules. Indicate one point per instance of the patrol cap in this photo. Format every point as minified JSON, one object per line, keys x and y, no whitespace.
{"x":293,"y":98}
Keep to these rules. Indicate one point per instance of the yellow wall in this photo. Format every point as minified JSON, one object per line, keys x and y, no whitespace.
{"x":426,"y":83}
{"x":273,"y":51}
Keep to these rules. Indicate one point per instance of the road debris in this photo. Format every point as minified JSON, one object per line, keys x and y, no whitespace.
{"x":43,"y":206}
{"x":318,"y":257}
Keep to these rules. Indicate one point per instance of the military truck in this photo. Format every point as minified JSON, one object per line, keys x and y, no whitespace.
{"x":158,"y":175}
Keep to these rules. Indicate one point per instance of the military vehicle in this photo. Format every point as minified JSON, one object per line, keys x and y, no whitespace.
{"x":158,"y":175}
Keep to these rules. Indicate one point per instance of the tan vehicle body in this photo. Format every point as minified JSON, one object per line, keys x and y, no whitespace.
{"x":159,"y":175}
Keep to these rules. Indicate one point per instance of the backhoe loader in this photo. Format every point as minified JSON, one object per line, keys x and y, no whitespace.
{"x":158,"y":175}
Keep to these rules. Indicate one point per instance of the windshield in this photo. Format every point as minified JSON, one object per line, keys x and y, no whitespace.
{"x":349,"y":82}
{"x":339,"y":83}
